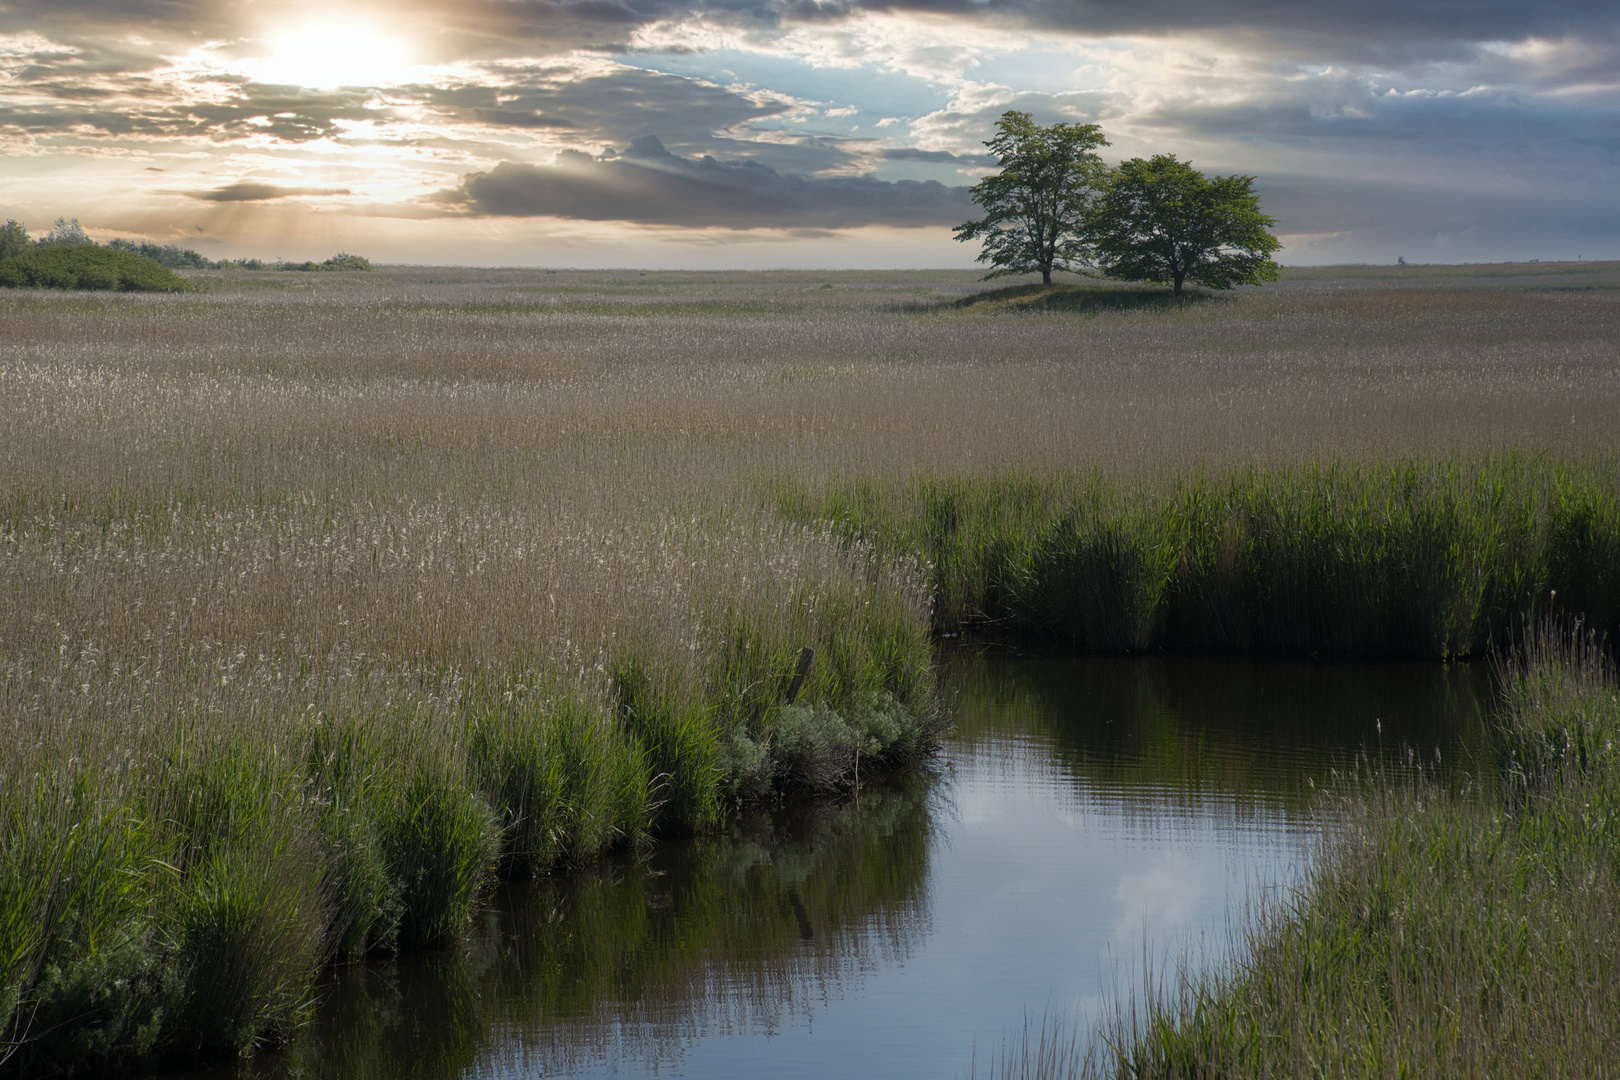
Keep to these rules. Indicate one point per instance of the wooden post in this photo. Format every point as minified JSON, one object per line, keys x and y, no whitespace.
{"x":807,"y":656}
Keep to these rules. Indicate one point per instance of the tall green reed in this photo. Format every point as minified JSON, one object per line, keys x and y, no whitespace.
{"x":565,"y":781}
{"x":172,"y":878}
{"x":1432,"y":560}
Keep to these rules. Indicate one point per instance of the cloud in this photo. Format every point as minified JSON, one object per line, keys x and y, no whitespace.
{"x":1492,"y":114}
{"x":489,"y":28}
{"x":1363,"y":30}
{"x":252,"y":191}
{"x":937,"y":157}
{"x":603,"y":103}
{"x":649,"y":185}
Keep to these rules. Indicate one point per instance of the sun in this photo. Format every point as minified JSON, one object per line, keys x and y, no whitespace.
{"x":328,"y":53}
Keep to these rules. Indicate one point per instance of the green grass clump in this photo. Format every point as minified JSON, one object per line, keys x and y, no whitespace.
{"x":440,"y":838}
{"x":1444,"y":934}
{"x":88,"y":266}
{"x":173,"y":916}
{"x":566,"y":783}
{"x":868,"y":695}
{"x":1429,"y":560}
{"x":78,"y":974}
{"x":174,"y":902}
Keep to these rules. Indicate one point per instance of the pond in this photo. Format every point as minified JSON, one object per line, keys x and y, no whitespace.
{"x":1089,"y":819}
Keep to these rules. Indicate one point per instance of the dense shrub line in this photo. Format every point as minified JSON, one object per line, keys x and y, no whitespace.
{"x":176,"y":257}
{"x":66,"y":258}
{"x":173,"y":899}
{"x":1430,"y":560}
{"x":87,"y":266}
{"x":173,"y":256}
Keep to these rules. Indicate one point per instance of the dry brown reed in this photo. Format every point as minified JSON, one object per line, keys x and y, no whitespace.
{"x":523,"y":390}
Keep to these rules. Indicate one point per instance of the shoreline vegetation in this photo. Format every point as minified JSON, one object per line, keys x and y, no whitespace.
{"x":226,"y":838}
{"x":329,"y":607}
{"x":193,"y":831}
{"x":1467,"y":931}
{"x":1420,"y":560}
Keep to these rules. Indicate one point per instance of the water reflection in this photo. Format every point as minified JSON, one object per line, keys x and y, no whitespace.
{"x":1198,"y":728}
{"x":625,"y":964}
{"x":1086,"y":811}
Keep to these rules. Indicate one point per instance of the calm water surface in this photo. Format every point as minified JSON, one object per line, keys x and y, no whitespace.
{"x":1086,"y":814}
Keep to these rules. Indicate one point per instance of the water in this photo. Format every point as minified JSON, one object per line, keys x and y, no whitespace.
{"x":1088,"y":819}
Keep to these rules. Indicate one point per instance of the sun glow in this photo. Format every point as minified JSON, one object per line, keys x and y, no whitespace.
{"x":332,"y":53}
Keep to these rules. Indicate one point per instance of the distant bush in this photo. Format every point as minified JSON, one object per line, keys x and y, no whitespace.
{"x":184,"y":258}
{"x":340,"y":261}
{"x":87,"y":266}
{"x":173,"y":256}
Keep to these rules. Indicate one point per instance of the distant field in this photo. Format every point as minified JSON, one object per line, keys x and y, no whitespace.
{"x":430,"y":570}
{"x":487,"y":383}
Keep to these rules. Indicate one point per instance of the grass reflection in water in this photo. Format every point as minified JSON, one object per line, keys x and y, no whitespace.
{"x":627,"y":961}
{"x":1188,"y":728}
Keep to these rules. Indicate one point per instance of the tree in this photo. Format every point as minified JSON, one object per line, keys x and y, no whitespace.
{"x":1162,"y":220}
{"x":1038,"y":205}
{"x":65,"y":232}
{"x":173,"y":256}
{"x":14,"y":239}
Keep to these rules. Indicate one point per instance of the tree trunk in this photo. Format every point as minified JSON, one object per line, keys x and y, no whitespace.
{"x":1046,"y":276}
{"x":1181,"y":275}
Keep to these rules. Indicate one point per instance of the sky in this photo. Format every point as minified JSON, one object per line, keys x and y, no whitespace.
{"x":794,"y":133}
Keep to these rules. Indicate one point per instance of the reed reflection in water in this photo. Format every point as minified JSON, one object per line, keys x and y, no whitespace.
{"x":1086,"y":813}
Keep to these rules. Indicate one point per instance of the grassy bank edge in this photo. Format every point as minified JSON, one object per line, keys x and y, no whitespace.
{"x":1439,"y":931}
{"x":174,"y":900}
{"x":1409,"y":559}
{"x":1446,"y":934}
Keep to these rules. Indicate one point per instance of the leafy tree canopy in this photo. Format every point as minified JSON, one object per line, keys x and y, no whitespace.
{"x":65,"y":231}
{"x":14,"y":239}
{"x":1162,"y":220}
{"x":173,"y":256}
{"x":1037,"y":207}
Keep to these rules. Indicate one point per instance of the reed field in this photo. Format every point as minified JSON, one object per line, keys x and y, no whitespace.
{"x":328,"y":601}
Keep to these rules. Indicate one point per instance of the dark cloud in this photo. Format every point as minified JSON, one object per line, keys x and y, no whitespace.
{"x":649,"y":185}
{"x":252,"y":191}
{"x":1325,"y":27}
{"x":462,"y":28}
{"x":937,"y":157}
{"x":611,"y":108}
{"x":519,"y":118}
